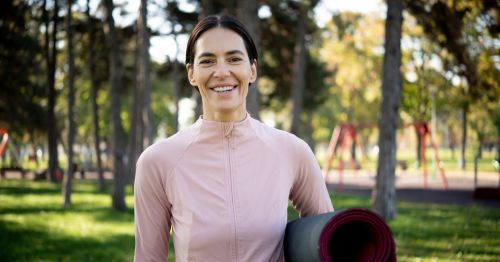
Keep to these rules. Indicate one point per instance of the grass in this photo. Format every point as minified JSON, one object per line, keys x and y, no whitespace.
{"x":35,"y":227}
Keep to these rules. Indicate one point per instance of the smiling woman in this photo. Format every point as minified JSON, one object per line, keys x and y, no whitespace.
{"x":223,"y":184}
{"x":222,"y":71}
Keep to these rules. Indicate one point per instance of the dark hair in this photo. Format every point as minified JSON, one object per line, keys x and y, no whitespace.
{"x":221,"y":21}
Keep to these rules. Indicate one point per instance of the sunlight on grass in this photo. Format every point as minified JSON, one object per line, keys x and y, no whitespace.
{"x":35,"y":227}
{"x":32,"y":214}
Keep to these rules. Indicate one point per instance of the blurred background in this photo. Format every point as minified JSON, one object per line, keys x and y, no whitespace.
{"x":86,"y":85}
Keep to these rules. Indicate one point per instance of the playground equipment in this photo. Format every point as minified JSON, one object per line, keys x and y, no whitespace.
{"x":3,"y":145}
{"x":345,"y":133}
{"x":4,"y":135}
{"x":5,"y":138}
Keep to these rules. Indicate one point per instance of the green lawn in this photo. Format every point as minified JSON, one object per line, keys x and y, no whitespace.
{"x":34,"y":227}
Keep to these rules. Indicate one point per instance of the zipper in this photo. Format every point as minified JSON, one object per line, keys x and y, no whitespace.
{"x":228,"y":144}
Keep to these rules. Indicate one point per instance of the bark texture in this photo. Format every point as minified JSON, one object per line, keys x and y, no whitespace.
{"x":117,"y":133}
{"x":247,"y":12}
{"x":299,"y":73}
{"x":51,"y":59}
{"x":384,"y":193}
{"x":70,"y":170}
{"x":94,"y":91}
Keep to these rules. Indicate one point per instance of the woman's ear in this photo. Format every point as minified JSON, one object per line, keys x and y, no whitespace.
{"x":189,"y":70}
{"x":253,"y":73}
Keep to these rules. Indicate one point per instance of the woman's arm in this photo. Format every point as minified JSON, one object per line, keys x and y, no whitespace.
{"x":151,"y":211}
{"x":309,"y":194}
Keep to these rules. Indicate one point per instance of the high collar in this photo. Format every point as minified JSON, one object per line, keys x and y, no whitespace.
{"x":209,"y":129}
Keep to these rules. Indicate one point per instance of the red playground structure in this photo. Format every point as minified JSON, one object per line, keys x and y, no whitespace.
{"x":344,"y":136}
{"x":5,"y":138}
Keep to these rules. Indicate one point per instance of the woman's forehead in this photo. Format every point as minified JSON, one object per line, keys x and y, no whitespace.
{"x":220,"y":40}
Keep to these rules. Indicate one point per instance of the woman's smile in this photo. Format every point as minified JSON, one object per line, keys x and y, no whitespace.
{"x":224,"y":90}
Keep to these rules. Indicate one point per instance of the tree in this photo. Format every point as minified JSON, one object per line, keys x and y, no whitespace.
{"x":141,"y":130}
{"x":351,"y":48}
{"x":117,"y":133}
{"x":143,"y":75}
{"x":299,"y":63}
{"x":66,"y":190}
{"x":93,"y":87}
{"x":247,"y":13}
{"x":278,"y":60}
{"x":384,"y":193}
{"x":51,"y":61}
{"x":424,"y":84}
{"x":176,"y":85}
{"x":23,"y":90}
{"x":455,"y":26}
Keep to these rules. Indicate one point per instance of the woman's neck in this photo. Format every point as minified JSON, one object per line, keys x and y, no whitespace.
{"x":231,"y":116}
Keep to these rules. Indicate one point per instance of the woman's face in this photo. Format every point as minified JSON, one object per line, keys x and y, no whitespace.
{"x":222,"y":73}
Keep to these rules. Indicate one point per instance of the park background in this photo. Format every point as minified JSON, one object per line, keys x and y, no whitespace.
{"x":81,"y":86}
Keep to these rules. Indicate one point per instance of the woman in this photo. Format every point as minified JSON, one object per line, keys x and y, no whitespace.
{"x":223,"y":184}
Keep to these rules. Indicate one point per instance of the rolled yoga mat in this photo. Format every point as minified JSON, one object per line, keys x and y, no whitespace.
{"x":353,"y":234}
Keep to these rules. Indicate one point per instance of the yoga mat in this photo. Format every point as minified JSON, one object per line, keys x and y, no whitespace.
{"x":353,"y":234}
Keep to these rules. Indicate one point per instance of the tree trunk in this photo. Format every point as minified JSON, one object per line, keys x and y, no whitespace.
{"x":137,"y":127}
{"x":117,"y":133}
{"x":207,"y":8}
{"x":384,"y":193}
{"x":95,"y":109}
{"x":480,"y":140}
{"x":465,"y":109}
{"x":299,"y":64}
{"x":308,"y":132}
{"x":176,"y":85}
{"x":51,"y":60}
{"x":66,"y":190}
{"x":247,"y":12}
{"x":143,"y":76}
{"x":141,"y":128}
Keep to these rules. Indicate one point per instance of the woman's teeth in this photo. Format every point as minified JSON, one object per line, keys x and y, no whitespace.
{"x":223,"y":88}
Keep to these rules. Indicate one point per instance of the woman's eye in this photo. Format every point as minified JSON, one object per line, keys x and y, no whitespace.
{"x":206,"y":61}
{"x":235,"y":59}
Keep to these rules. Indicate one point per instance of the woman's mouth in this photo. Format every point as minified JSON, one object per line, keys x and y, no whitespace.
{"x":223,"y":89}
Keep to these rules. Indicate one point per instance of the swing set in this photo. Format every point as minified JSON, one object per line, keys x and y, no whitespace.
{"x":344,"y":137}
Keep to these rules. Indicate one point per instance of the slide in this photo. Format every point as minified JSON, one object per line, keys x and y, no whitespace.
{"x":353,"y":234}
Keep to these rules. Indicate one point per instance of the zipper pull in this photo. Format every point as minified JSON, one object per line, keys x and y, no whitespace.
{"x":228,"y":129}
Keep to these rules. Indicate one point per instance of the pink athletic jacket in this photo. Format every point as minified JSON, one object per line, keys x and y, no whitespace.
{"x":223,"y":188}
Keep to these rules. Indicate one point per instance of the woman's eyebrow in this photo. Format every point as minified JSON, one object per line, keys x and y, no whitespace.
{"x":206,"y":54}
{"x":234,"y":52}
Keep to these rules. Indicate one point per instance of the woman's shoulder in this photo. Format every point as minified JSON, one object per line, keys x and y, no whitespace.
{"x":278,"y":136}
{"x":171,"y":148}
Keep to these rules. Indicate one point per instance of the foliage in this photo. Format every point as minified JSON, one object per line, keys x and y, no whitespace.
{"x":350,"y":48}
{"x":277,"y":60}
{"x":34,"y":226}
{"x":466,"y":29}
{"x":22,"y":89}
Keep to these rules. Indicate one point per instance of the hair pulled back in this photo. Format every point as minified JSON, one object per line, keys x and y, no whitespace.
{"x":220,"y":21}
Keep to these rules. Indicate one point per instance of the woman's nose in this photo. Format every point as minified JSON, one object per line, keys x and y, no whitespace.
{"x":221,"y":70}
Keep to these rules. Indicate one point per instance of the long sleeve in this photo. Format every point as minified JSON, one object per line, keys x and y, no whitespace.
{"x":152,"y":210}
{"x":309,"y":194}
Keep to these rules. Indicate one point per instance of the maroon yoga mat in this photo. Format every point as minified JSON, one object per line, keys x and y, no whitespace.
{"x":348,"y":235}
